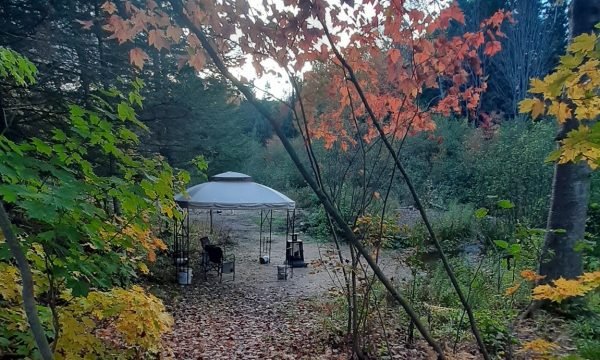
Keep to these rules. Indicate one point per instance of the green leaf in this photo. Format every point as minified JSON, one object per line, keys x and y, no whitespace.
{"x":8,"y":193}
{"x":505,"y":204}
{"x":76,"y":111}
{"x":59,"y":135}
{"x":4,"y":342}
{"x":584,"y":245}
{"x":78,"y":287}
{"x":41,"y":146}
{"x":125,"y":111}
{"x":481,"y":213}
{"x":501,"y":244}
{"x":514,"y":249}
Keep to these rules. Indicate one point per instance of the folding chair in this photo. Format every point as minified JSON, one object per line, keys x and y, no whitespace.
{"x":214,"y":260}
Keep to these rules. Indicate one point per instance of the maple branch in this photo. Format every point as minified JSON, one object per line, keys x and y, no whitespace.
{"x":317,"y":171}
{"x":329,"y":207}
{"x":415,"y":196}
{"x":27,"y":289}
{"x":307,"y":137}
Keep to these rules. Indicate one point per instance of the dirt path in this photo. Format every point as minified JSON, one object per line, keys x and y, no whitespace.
{"x":256,"y":316}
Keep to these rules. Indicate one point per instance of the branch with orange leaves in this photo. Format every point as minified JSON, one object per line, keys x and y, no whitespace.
{"x":352,"y":77}
{"x":330,"y":208}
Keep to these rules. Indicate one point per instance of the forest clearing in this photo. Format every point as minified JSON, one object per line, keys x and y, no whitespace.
{"x":300,"y":179}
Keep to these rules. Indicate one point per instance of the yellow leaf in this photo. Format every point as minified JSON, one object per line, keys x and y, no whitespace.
{"x":538,"y":347}
{"x":534,"y":106}
{"x":513,"y":289}
{"x":571,"y":61}
{"x":560,"y":289}
{"x":143,"y":268}
{"x":560,"y":110}
{"x":10,"y":289}
{"x":592,"y":278}
{"x":537,"y":86}
{"x":583,"y":43}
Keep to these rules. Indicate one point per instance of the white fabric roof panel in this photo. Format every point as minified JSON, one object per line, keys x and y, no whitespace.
{"x":233,"y":191}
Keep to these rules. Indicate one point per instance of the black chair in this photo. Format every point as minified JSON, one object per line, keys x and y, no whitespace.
{"x":214,"y":260}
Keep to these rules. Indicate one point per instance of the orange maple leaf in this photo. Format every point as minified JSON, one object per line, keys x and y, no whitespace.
{"x":394,"y":55}
{"x":174,"y":33}
{"x":156,"y":39}
{"x":492,"y":48}
{"x":151,"y":5}
{"x":137,"y":57}
{"x":197,"y":60}
{"x":530,"y":275}
{"x":109,"y":7}
{"x":86,"y":24}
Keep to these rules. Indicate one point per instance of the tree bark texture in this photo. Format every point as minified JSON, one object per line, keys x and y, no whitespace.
{"x":571,"y":182}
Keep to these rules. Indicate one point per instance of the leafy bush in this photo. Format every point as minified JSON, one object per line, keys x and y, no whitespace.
{"x":494,"y":330}
{"x":318,"y":225}
{"x":461,"y":163}
{"x":591,"y":246}
{"x":455,"y":226}
{"x":586,"y":331}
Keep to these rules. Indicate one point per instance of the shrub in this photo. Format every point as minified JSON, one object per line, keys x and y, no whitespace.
{"x":455,"y":226}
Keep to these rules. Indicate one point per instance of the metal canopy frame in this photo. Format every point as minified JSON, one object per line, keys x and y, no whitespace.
{"x":181,"y":243}
{"x":265,"y":242}
{"x":181,"y":236}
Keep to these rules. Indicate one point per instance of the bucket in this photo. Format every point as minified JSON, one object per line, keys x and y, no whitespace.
{"x":281,"y":272}
{"x":184,"y":277}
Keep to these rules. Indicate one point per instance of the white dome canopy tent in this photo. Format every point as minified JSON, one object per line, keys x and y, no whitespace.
{"x":230,"y":191}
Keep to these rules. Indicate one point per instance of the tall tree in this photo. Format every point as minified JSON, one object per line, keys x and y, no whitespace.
{"x":571,"y":182}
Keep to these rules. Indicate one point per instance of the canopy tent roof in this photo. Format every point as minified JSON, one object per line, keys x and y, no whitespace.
{"x":233,"y":191}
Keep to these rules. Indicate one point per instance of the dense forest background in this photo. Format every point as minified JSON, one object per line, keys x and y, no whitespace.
{"x":482,"y":174}
{"x":463,"y":161}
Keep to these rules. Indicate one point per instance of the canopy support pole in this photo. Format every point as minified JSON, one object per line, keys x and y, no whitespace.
{"x":211,"y":221}
{"x":264,"y":243}
{"x":260,"y":237}
{"x":270,"y":232}
{"x":181,"y":242}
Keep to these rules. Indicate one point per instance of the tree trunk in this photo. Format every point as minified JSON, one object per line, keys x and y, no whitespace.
{"x":571,"y":183}
{"x":28,"y":295}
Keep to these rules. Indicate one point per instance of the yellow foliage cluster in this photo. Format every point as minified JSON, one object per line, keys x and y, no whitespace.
{"x":141,"y":234}
{"x":370,"y":227}
{"x":571,"y":92}
{"x":528,"y":275}
{"x":101,"y":325}
{"x":121,"y":319}
{"x":538,"y":348}
{"x":562,"y":289}
{"x":10,"y":289}
{"x":146,"y":238}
